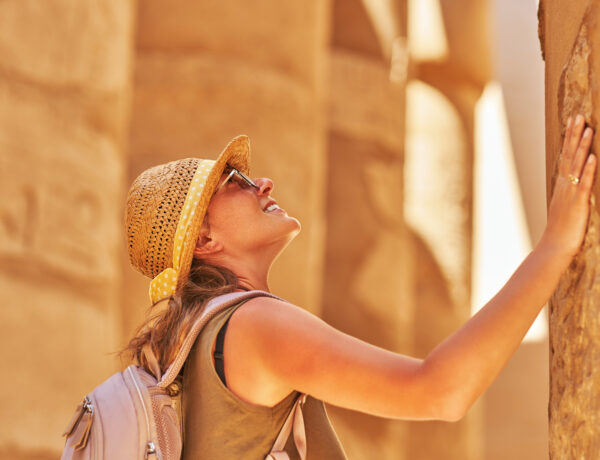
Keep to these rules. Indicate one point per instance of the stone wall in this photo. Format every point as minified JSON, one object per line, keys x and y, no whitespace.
{"x":64,"y":87}
{"x":570,"y":40}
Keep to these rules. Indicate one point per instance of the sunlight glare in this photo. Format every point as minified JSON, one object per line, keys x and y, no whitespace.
{"x":500,"y":234}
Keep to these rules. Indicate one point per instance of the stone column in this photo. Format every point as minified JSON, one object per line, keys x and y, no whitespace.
{"x":64,"y":86}
{"x":367,"y":277}
{"x":570,"y":38}
{"x":207,"y":71}
{"x":451,"y":64}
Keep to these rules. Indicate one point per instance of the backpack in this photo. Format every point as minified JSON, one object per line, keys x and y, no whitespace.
{"x":135,"y":415}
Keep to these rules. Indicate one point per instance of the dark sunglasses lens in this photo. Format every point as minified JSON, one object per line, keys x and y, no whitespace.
{"x":238,"y":181}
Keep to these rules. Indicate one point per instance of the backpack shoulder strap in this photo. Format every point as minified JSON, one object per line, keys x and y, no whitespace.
{"x":212,"y":308}
{"x":294,"y":423}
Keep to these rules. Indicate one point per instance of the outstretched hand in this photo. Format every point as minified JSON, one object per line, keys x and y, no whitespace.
{"x":570,"y":203}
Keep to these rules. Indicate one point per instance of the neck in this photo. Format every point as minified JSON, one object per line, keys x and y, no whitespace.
{"x":247,"y":284}
{"x":252,"y":272}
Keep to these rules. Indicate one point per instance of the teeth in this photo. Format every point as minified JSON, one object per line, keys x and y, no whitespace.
{"x":272,"y":207}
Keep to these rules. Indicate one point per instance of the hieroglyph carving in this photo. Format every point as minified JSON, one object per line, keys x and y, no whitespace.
{"x":53,"y":218}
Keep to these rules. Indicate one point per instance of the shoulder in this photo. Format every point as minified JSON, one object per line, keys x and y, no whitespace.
{"x":271,"y":330}
{"x":271,"y":310}
{"x":262,"y":339}
{"x":268,"y":320}
{"x":283,"y":339}
{"x":281,"y":347}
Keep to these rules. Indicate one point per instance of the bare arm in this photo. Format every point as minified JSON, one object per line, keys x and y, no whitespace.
{"x":279,"y":347}
{"x":471,"y":358}
{"x":478,"y":351}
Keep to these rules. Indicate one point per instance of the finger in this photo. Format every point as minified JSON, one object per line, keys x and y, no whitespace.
{"x":576,"y":134}
{"x":589,"y":171}
{"x":565,"y":159}
{"x":568,"y":131}
{"x":582,"y":152}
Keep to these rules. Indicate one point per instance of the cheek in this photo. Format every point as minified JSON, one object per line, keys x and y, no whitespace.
{"x":230,"y":216}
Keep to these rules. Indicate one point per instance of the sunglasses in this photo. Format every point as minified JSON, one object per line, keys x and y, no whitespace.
{"x":238,"y":177}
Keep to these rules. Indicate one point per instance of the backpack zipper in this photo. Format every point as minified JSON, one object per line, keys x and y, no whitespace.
{"x":86,"y":407}
{"x":74,"y":420}
{"x":150,"y":448}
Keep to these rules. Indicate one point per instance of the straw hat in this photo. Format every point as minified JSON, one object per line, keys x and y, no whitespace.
{"x":166,"y":205}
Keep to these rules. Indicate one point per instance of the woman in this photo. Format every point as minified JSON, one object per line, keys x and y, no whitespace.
{"x":202,"y":228}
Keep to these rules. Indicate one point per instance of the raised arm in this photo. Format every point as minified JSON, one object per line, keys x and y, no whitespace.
{"x":273,"y":347}
{"x":478,"y":351}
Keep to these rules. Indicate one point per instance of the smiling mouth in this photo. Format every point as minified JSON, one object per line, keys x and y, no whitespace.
{"x":272,"y":208}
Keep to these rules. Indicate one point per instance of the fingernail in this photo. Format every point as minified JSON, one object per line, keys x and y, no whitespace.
{"x":579,"y":119}
{"x":569,"y":121}
{"x":588,"y":132}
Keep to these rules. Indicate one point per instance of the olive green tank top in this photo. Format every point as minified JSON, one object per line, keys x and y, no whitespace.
{"x":218,"y":425}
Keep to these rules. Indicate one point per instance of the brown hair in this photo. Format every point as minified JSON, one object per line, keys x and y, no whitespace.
{"x":166,"y":328}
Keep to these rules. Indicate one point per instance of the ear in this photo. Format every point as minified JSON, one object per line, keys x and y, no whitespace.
{"x":206,"y":246}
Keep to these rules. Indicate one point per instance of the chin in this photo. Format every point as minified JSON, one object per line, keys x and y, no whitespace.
{"x":296,"y":222}
{"x":284,"y":242}
{"x":293,"y":227}
{"x":282,"y":233}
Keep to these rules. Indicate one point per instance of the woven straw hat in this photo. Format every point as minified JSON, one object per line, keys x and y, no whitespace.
{"x":165,"y":208}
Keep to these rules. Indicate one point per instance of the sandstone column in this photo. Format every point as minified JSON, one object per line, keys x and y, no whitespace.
{"x":367,"y":276}
{"x":451,"y":64}
{"x":64,"y":78}
{"x":570,"y":37}
{"x":207,"y":71}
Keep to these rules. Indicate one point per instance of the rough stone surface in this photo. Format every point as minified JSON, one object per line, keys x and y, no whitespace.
{"x":575,"y":354}
{"x":572,"y":78}
{"x":64,"y":72}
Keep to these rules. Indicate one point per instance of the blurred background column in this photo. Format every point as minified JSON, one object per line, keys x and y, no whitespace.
{"x":208,"y":71}
{"x":367,"y":259}
{"x":451,"y":64}
{"x":570,"y":40}
{"x":64,"y":93}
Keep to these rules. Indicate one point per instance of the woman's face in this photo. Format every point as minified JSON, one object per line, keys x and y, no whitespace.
{"x":246,"y":219}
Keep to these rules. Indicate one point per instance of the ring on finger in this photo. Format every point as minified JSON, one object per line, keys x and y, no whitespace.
{"x":574,"y":179}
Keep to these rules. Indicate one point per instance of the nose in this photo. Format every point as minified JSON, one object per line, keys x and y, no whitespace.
{"x":265,"y":185}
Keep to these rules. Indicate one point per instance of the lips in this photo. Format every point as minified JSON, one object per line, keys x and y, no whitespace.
{"x":271,"y":206}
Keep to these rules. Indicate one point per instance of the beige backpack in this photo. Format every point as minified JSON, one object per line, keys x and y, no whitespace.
{"x":133,"y":415}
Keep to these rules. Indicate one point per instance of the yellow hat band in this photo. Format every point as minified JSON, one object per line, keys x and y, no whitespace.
{"x":164,"y":284}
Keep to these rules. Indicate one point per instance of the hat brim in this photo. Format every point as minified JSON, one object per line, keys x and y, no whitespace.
{"x":235,"y":154}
